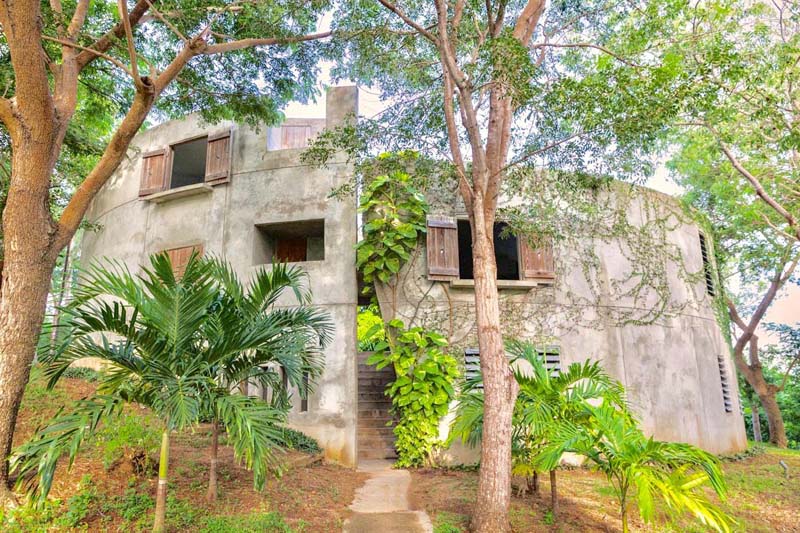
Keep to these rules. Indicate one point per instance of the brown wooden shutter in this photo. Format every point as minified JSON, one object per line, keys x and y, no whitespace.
{"x":179,"y":257}
{"x":218,"y":157}
{"x":154,"y":172}
{"x":291,"y":249}
{"x":295,"y":136}
{"x":536,"y":263}
{"x":442,"y":248}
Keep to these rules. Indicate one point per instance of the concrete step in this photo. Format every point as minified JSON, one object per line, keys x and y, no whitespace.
{"x":369,"y":395}
{"x":374,"y":404}
{"x":375,"y":421}
{"x":376,"y":453}
{"x":379,"y":431}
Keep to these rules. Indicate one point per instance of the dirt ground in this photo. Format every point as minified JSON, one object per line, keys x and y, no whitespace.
{"x":759,"y":498}
{"x":310,"y":498}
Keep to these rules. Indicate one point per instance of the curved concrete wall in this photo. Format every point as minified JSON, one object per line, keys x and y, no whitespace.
{"x":667,"y":360}
{"x":266,"y":186}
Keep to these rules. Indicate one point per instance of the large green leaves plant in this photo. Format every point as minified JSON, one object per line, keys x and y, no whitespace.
{"x":422,"y":391}
{"x":167,"y":341}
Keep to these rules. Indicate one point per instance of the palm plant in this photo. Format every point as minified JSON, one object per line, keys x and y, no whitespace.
{"x":546,"y":400}
{"x":169,"y":338}
{"x":289,"y":352}
{"x":633,"y":463}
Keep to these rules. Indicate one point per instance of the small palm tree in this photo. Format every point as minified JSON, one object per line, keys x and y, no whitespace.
{"x":545,"y":400}
{"x":672,"y":472}
{"x":291,"y":340}
{"x":163,"y":355}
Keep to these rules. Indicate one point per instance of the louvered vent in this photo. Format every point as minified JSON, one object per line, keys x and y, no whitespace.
{"x":726,"y":386}
{"x":472,"y":361}
{"x":707,"y":267}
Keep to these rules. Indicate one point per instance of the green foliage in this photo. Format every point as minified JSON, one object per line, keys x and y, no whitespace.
{"x":269,"y":522}
{"x":297,"y":440}
{"x":174,"y":336}
{"x":132,"y":506}
{"x":394,"y":211}
{"x":422,"y":391}
{"x":81,"y":372}
{"x":79,"y":505}
{"x":134,"y":436}
{"x":644,"y":468}
{"x":369,"y":327}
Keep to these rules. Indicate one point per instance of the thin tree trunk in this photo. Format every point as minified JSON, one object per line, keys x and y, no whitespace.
{"x":756,"y":420}
{"x":494,"y":481}
{"x":533,"y":484}
{"x":624,"y":519}
{"x":211,"y":494}
{"x":60,"y":299}
{"x":161,"y":490}
{"x":553,"y":493}
{"x":777,"y":429}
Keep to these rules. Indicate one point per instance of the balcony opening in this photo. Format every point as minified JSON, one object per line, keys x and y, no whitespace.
{"x":289,"y":242}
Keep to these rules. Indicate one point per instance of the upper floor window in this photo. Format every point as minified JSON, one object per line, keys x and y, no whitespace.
{"x":289,"y":242}
{"x":204,"y":159}
{"x":450,"y":253}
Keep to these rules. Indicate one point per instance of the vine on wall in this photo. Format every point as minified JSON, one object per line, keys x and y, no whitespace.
{"x":422,"y":391}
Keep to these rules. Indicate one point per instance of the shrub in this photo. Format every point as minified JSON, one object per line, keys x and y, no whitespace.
{"x":253,"y":523}
{"x":135,"y":437}
{"x":297,"y":440}
{"x":80,"y":372}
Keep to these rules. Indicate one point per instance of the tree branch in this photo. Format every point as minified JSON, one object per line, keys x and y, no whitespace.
{"x":119,"y":64}
{"x":399,"y":12}
{"x":588,"y":45}
{"x":126,"y":23}
{"x":230,"y":46}
{"x":789,"y":371}
{"x":78,"y":19}
{"x":106,"y":41}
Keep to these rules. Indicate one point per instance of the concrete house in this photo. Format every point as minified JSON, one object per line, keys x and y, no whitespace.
{"x":244,"y":195}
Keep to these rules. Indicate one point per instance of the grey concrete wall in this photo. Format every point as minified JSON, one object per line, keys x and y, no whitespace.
{"x":667,"y":360}
{"x":266,"y":186}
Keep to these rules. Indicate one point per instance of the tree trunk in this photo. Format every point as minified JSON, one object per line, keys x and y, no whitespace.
{"x":28,"y":266}
{"x":553,"y":493}
{"x":161,"y":489}
{"x":777,"y":429}
{"x":533,"y":483}
{"x":756,"y":420}
{"x":494,"y":481}
{"x":211,"y":494}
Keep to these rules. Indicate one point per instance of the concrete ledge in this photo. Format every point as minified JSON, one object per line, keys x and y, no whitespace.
{"x":506,"y":284}
{"x":179,"y":192}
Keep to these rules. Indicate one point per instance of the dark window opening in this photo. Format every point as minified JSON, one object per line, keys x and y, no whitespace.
{"x":289,"y":242}
{"x":506,"y":252}
{"x":472,"y":361}
{"x":708,"y":268}
{"x":188,"y":163}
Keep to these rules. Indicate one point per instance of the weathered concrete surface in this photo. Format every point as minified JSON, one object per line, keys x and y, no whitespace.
{"x":381,"y":505}
{"x":266,"y":185}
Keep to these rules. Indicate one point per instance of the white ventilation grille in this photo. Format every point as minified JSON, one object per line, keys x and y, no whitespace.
{"x":726,"y":386}
{"x":472,"y":361}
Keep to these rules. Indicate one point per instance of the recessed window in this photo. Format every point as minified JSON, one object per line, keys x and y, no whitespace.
{"x":727,"y":403}
{"x":506,"y":252}
{"x":289,"y":242}
{"x":472,"y":361}
{"x":188,"y":163}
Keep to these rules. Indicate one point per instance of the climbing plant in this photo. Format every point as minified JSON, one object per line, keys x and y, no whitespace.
{"x":394,"y":211}
{"x":422,"y":391}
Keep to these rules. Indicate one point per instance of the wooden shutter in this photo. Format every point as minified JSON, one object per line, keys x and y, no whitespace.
{"x":154,"y":172}
{"x":536,"y":263}
{"x":291,"y":249}
{"x":442,"y":248}
{"x":218,"y":157}
{"x":295,"y":136}
{"x":179,"y":257}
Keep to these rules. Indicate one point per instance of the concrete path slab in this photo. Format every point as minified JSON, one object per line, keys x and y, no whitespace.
{"x":381,"y":504}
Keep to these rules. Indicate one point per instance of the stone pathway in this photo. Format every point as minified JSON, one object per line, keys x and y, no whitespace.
{"x":381,"y":505}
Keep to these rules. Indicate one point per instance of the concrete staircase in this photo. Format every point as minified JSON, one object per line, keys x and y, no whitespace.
{"x":375,"y":437}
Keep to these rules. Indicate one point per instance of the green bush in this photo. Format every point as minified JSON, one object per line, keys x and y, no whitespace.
{"x":253,"y":523}
{"x":297,"y":440}
{"x":80,"y":372}
{"x":132,"y":436}
{"x":79,"y":505}
{"x":422,"y":392}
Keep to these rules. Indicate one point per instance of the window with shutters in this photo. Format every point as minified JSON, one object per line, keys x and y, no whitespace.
{"x":203,"y":159}
{"x":708,"y":268}
{"x":449,"y":253}
{"x":179,"y":257}
{"x":289,"y":242}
